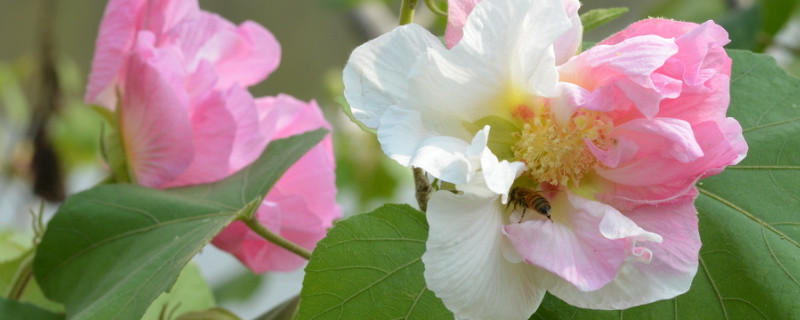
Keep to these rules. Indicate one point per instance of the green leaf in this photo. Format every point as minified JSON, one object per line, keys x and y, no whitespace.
{"x":749,"y":214}
{"x":209,"y":314}
{"x":189,"y":293}
{"x":598,"y":17}
{"x":22,"y":311}
{"x":370,"y":267}
{"x":111,"y":250}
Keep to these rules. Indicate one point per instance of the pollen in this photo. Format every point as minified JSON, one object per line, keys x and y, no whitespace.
{"x":556,"y":153}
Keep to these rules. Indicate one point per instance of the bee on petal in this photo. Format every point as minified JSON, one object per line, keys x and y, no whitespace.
{"x":528,"y":198}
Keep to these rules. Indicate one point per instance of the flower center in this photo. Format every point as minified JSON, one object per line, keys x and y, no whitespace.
{"x":556,"y":153}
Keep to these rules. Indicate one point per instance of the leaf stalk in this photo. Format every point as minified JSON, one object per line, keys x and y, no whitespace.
{"x":270,"y":236}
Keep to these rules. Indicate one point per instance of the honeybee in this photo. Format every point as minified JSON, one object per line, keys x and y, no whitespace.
{"x":528,"y":198}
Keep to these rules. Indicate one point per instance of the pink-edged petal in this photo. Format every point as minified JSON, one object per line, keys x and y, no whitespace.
{"x":568,"y":44}
{"x":585,"y":244}
{"x":154,"y":121}
{"x":625,"y":70}
{"x":668,"y":272}
{"x":565,"y":47}
{"x":517,"y":47}
{"x":465,"y":265}
{"x":115,"y":39}
{"x":376,"y":75}
{"x":457,"y":12}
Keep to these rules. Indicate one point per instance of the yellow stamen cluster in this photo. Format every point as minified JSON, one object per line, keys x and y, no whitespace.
{"x":556,"y":153}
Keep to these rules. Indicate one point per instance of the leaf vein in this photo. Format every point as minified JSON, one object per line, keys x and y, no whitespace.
{"x":714,"y":286}
{"x":748,"y":214}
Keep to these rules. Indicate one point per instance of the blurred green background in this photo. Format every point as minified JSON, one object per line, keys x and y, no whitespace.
{"x":316,"y":36}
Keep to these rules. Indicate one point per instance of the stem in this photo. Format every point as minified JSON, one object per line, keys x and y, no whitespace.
{"x":21,"y":279}
{"x":276,"y":239}
{"x":435,"y":9}
{"x":407,"y":8}
{"x":423,"y":188}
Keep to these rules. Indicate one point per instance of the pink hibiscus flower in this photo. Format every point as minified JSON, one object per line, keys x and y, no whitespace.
{"x":186,"y":117}
{"x":606,"y":145}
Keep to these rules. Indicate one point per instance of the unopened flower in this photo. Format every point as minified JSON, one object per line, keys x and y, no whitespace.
{"x":613,"y":139}
{"x":177,"y":78}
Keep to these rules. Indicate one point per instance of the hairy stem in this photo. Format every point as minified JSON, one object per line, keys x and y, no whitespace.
{"x":407,"y":8}
{"x":423,"y":188}
{"x":21,"y":279}
{"x":275,"y":238}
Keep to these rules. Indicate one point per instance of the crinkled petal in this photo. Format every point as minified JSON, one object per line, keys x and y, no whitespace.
{"x":376,"y":75}
{"x":668,"y":273}
{"x":499,"y":175}
{"x":154,"y":121}
{"x":650,"y":179}
{"x":245,"y":54}
{"x":585,"y":244}
{"x":464,"y":262}
{"x":625,"y":70}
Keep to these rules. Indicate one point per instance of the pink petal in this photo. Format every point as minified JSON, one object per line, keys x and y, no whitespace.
{"x":651,"y":179}
{"x":154,"y":120}
{"x":457,"y":12}
{"x":302,"y":205}
{"x":248,"y":142}
{"x":214,"y":131}
{"x":623,"y":73}
{"x":585,"y":244}
{"x":661,"y":137}
{"x":243,"y":55}
{"x":669,"y":271}
{"x":114,"y":41}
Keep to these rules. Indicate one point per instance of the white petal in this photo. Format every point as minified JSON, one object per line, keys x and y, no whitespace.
{"x":465,"y":264}
{"x":376,"y":75}
{"x":517,"y":37}
{"x":499,"y":175}
{"x":405,"y":138}
{"x":639,"y":281}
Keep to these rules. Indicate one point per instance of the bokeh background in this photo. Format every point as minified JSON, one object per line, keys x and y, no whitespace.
{"x":49,"y":140}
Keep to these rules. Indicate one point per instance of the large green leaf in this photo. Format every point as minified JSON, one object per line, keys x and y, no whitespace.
{"x":370,"y":267}
{"x":749,"y":214}
{"x":22,"y":311}
{"x":111,"y":250}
